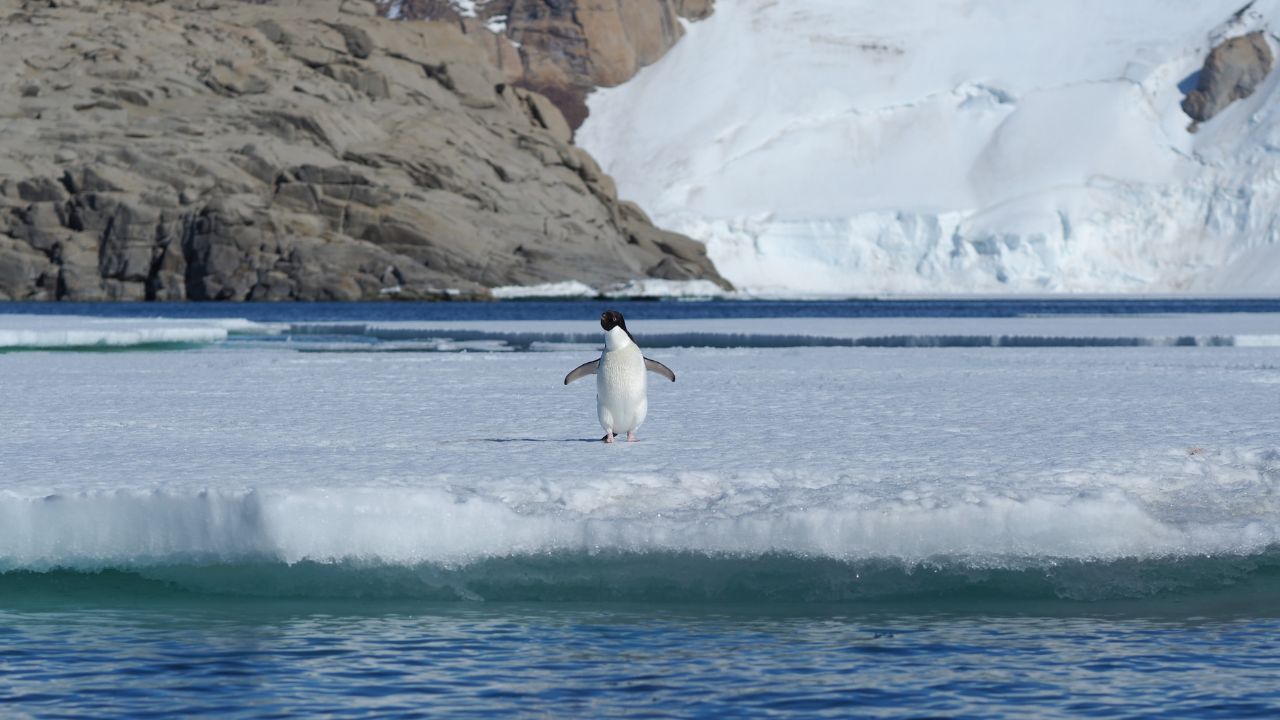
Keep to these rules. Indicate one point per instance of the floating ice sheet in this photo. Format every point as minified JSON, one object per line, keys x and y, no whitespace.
{"x":1023,"y":458}
{"x":64,"y":331}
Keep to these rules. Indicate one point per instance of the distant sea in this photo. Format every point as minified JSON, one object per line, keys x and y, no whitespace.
{"x":658,"y":309}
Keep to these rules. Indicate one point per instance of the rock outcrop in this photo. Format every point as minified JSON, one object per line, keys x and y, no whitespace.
{"x":564,"y":48}
{"x":1233,"y":70}
{"x":293,"y":149}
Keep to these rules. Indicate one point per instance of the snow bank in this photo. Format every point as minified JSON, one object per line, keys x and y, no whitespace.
{"x":568,"y":289}
{"x":829,"y":146}
{"x":655,"y":288}
{"x":644,"y":288}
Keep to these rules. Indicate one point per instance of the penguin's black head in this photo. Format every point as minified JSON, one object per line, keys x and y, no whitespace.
{"x":611,"y":319}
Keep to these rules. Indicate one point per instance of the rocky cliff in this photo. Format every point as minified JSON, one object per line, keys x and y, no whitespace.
{"x":563,"y":48}
{"x":295,"y":149}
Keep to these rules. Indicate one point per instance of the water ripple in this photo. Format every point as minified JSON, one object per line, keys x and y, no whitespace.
{"x":283,"y":659}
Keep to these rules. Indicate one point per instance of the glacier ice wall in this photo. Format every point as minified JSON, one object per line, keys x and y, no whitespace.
{"x":850,"y":146}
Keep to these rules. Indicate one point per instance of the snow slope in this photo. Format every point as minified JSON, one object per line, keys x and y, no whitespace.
{"x":853,"y":146}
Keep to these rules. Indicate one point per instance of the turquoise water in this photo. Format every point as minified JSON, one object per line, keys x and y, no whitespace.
{"x":76,"y":646}
{"x":646,"y":637}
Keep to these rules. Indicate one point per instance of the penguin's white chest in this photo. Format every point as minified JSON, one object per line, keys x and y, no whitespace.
{"x":621,"y":401}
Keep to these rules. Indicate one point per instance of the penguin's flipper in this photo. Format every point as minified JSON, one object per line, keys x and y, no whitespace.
{"x":583,"y":370}
{"x":654,"y":366}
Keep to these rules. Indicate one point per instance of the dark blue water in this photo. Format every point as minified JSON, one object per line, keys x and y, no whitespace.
{"x":184,"y":657}
{"x":652,"y":309}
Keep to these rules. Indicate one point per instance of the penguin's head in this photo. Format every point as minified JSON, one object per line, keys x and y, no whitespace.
{"x":611,"y":319}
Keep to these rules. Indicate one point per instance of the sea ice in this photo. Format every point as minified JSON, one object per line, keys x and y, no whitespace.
{"x":989,"y":457}
{"x":45,"y":331}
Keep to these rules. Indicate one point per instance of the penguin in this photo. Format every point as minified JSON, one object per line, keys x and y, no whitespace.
{"x":621,"y":403}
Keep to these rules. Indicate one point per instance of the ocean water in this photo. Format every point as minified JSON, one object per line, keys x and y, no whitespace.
{"x":870,"y":508}
{"x":131,"y":652}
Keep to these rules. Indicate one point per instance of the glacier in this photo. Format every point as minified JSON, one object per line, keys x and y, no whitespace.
{"x":849,"y":147}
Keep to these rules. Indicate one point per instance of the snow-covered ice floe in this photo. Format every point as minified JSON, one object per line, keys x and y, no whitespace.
{"x":791,"y":473}
{"x":64,"y":331}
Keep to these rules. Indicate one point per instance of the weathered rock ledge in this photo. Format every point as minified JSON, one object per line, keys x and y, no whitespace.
{"x":299,"y":149}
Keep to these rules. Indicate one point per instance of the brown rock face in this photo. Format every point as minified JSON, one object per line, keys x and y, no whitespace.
{"x":694,"y":9}
{"x":566,"y":47}
{"x":1233,"y":70}
{"x":298,"y":149}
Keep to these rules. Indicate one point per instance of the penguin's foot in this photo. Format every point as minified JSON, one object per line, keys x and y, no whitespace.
{"x":631,"y":436}
{"x":608,"y":437}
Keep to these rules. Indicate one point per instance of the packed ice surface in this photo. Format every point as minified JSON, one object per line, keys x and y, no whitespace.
{"x":856,"y":146}
{"x":45,"y":331}
{"x":991,"y":457}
